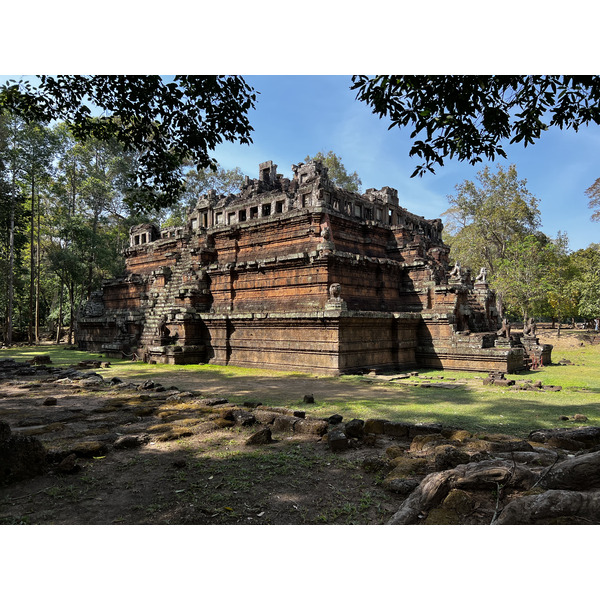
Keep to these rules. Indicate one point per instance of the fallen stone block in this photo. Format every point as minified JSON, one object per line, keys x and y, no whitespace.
{"x":424,"y":429}
{"x":210,"y":401}
{"x":89,"y":449}
{"x":284,"y":423}
{"x":504,"y":382}
{"x":337,"y":440}
{"x":355,"y":428}
{"x":252,"y":404}
{"x":396,"y":429}
{"x":180,"y":432}
{"x":265,"y":417}
{"x":311,"y":426}
{"x":394,"y":452}
{"x":448,"y":457}
{"x":263,"y":436}
{"x":458,"y":435}
{"x":243,"y":417}
{"x":375,"y":426}
{"x":410,"y":467}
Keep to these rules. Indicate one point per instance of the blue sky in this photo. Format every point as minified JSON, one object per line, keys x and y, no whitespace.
{"x":301,"y":115}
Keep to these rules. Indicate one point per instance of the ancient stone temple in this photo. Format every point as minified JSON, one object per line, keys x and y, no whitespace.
{"x":299,"y":275}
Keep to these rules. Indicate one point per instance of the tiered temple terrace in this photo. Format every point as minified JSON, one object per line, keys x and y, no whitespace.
{"x":300,"y":275}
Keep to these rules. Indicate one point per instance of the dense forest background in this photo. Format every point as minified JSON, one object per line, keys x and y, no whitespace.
{"x":65,"y":220}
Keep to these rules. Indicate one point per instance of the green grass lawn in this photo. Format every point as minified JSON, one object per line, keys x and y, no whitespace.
{"x":473,"y":406}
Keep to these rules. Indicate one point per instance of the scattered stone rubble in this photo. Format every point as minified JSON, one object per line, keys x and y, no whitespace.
{"x":11,"y":369}
{"x":499,"y":379}
{"x":441,"y":475}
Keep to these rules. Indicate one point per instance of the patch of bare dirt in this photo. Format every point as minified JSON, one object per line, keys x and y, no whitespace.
{"x":568,"y":338}
{"x":145,"y":453}
{"x":192,"y":464}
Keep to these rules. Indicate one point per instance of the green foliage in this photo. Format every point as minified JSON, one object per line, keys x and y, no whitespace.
{"x":494,"y":224}
{"x":586,"y":263}
{"x":199,"y":182}
{"x":337,"y":172}
{"x":562,"y":280}
{"x":593,"y":193}
{"x":485,"y":216}
{"x":468,"y":117}
{"x":164,"y":123}
{"x":522,"y":275}
{"x":66,"y":200}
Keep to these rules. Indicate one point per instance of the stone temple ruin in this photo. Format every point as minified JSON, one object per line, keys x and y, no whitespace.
{"x":301,"y":275}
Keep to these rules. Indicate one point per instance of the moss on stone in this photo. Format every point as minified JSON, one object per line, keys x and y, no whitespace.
{"x":452,"y":511}
{"x":407,"y":467}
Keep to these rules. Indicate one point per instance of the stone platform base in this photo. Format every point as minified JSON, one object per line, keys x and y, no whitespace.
{"x":333,"y":342}
{"x":509,"y":360}
{"x":175,"y":355}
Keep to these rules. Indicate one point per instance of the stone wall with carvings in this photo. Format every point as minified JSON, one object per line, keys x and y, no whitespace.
{"x":296,"y":274}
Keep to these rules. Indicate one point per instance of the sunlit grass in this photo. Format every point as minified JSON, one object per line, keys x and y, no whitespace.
{"x":472,"y":406}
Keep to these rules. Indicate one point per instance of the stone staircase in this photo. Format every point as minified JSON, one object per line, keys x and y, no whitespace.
{"x":161,"y":300}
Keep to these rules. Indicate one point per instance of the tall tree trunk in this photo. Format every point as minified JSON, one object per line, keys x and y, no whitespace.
{"x":60,"y":313}
{"x":499,"y":305}
{"x":37,"y":277}
{"x":92,"y":259}
{"x":71,"y":300}
{"x":11,"y":264}
{"x":31,"y":262}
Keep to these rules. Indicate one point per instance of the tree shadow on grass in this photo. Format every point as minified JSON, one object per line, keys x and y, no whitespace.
{"x":216,"y":479}
{"x":287,"y":482}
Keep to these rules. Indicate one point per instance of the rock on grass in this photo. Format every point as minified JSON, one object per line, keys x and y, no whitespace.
{"x":262,"y":436}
